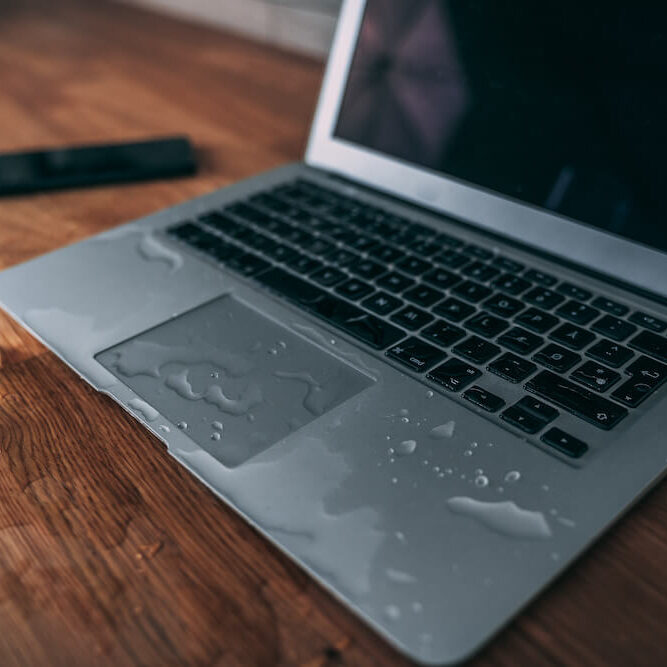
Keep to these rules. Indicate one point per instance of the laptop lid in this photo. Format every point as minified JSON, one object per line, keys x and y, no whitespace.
{"x":543,"y":122}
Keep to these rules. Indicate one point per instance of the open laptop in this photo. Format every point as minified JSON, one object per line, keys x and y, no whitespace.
{"x":427,"y":361}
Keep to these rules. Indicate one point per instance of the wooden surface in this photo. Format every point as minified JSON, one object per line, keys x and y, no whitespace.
{"x":109,"y":552}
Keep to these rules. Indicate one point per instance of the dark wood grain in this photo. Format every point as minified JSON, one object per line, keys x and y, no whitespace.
{"x":109,"y":552}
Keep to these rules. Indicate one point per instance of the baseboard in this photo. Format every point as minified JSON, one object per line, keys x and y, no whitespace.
{"x":304,"y":28}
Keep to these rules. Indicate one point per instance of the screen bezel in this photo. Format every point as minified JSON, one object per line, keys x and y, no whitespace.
{"x":577,"y":242}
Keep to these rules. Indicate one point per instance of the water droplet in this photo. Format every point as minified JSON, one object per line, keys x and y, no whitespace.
{"x":417,"y":607}
{"x":500,"y":489}
{"x":441,"y":474}
{"x":504,"y":517}
{"x":429,"y":394}
{"x":468,"y":452}
{"x":182,"y":425}
{"x":282,"y":344}
{"x":217,"y":426}
{"x":165,"y":428}
{"x":405,"y":420}
{"x":404,"y":412}
{"x":273,"y":351}
{"x":425,"y":462}
{"x":545,"y":487}
{"x":479,"y":471}
{"x":215,"y":375}
{"x":449,"y":471}
{"x":394,"y":480}
{"x":215,"y":436}
{"x":392,"y":612}
{"x":443,"y":431}
{"x":400,"y":536}
{"x":473,"y":445}
{"x":512,"y":476}
{"x":481,"y":481}
{"x":436,"y":468}
{"x":399,"y":577}
{"x":250,"y":418}
{"x":406,"y":448}
{"x":388,"y":437}
{"x":391,"y":451}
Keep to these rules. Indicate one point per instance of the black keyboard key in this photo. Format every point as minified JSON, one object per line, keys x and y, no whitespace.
{"x":633,"y":392}
{"x":544,"y":298}
{"x":574,"y":292}
{"x":295,"y":289}
{"x":395,"y":282}
{"x":610,"y":353}
{"x":648,"y":322}
{"x":648,"y":370}
{"x":522,"y":420}
{"x":367,"y":269}
{"x":540,"y":410}
{"x":423,"y":295}
{"x":556,"y":358}
{"x":477,"y":350}
{"x":412,"y":318}
{"x":575,"y":399}
{"x":651,"y":344}
{"x":413,"y":265}
{"x":484,"y":399}
{"x":357,"y":241}
{"x":646,"y":376}
{"x":185,"y":231}
{"x":476,"y":251}
{"x":577,"y":312}
{"x":452,"y":259}
{"x":221,"y":223}
{"x":454,"y":310}
{"x":565,"y":443}
{"x":424,"y":247}
{"x":507,"y":265}
{"x":537,"y":320}
{"x":503,"y":305}
{"x":481,"y":272}
{"x":512,"y":368}
{"x":222,"y":250}
{"x":572,"y":336}
{"x":328,"y":276}
{"x":614,"y":328}
{"x":342,"y":257}
{"x":471,"y":291}
{"x":595,"y":376}
{"x":304,"y":265}
{"x":486,"y":325}
{"x":247,"y":264}
{"x":382,"y":303}
{"x":610,"y":306}
{"x":282,"y":253}
{"x":454,"y":374}
{"x":416,"y":354}
{"x":443,"y":334}
{"x":441,"y":278}
{"x":511,"y":284}
{"x":318,"y":246}
{"x":354,"y":289}
{"x":521,"y":341}
{"x":386,"y":253}
{"x":540,"y":278}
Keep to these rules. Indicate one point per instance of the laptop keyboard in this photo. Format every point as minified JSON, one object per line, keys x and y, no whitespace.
{"x":450,"y":310}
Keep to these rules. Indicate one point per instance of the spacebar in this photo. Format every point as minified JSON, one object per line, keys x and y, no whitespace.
{"x":341,"y":314}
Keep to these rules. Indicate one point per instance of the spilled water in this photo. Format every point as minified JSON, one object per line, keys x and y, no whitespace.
{"x":148,"y":412}
{"x":505,"y":518}
{"x":443,"y":431}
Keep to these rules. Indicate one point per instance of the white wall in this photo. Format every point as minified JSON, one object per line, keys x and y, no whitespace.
{"x":304,"y":25}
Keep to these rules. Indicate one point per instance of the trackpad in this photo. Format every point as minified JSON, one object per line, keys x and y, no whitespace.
{"x":235,"y":380}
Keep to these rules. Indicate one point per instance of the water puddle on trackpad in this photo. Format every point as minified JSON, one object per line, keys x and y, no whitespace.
{"x":235,"y":380}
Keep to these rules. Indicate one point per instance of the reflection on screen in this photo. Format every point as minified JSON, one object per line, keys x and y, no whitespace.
{"x":559,"y":104}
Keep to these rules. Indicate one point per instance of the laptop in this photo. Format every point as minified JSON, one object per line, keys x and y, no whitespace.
{"x":427,"y":361}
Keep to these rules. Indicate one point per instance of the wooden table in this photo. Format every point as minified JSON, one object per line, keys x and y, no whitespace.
{"x":110,"y":553}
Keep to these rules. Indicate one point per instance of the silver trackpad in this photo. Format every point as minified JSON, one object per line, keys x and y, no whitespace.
{"x":233,"y":379}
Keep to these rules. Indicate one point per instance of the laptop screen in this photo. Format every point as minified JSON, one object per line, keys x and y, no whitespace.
{"x":561,"y":104}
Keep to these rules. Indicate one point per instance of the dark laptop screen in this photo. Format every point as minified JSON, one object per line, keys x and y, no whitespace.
{"x":560,"y":104}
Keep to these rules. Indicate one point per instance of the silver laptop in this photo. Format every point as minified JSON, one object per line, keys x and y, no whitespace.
{"x":426,"y":362}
